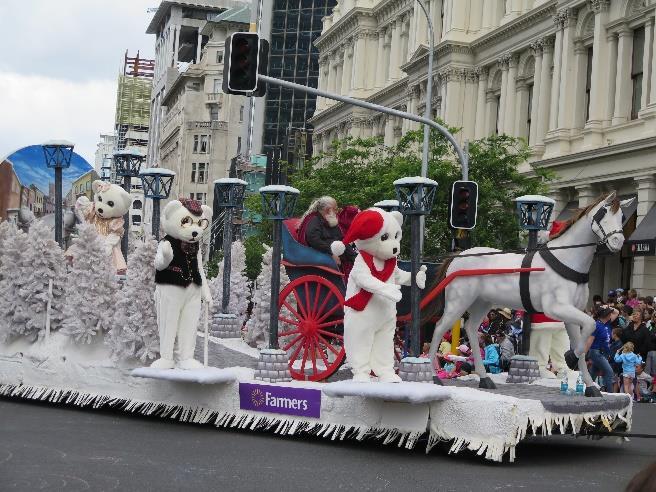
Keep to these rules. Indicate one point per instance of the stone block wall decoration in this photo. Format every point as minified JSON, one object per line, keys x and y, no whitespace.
{"x":416,"y":369}
{"x":523,"y":369}
{"x":272,"y":366}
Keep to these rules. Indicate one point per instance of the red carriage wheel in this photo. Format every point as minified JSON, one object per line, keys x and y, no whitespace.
{"x":311,"y":311}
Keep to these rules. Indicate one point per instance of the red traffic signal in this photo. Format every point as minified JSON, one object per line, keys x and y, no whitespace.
{"x":463,"y":205}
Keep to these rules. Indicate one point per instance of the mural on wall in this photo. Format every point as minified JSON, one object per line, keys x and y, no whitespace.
{"x":27,"y":183}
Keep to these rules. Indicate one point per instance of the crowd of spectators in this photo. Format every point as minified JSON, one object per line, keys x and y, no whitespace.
{"x":621,"y":353}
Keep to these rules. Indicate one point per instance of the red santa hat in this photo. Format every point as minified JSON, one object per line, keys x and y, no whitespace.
{"x":365,"y":225}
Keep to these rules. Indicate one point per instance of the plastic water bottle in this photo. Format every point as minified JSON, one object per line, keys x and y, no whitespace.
{"x":564,"y":384}
{"x":580,"y":387}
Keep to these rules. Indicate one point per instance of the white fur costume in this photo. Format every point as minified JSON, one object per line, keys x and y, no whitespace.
{"x":110,"y":203}
{"x":369,"y":333}
{"x":548,"y":339}
{"x":178,"y":306}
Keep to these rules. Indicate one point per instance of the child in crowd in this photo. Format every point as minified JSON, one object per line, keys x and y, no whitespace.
{"x":629,"y":361}
{"x":616,"y":346}
{"x":644,"y":385}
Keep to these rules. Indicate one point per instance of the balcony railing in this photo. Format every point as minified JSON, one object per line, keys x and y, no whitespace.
{"x":214,"y":98}
{"x":207,"y":125}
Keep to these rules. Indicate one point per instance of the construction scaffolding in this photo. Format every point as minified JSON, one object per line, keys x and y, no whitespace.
{"x":133,"y":102}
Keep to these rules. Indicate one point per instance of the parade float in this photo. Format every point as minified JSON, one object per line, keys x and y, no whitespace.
{"x":72,"y":334}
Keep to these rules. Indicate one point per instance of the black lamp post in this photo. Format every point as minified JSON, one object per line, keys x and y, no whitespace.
{"x":58,"y":155}
{"x":533,"y":212}
{"x":388,"y":205}
{"x":278,"y":204}
{"x":156,"y":183}
{"x":230,"y":195}
{"x":415,"y":196}
{"x":128,"y":164}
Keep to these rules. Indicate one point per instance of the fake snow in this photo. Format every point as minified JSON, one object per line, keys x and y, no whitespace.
{"x":230,"y":181}
{"x":279,"y":188}
{"x":414,"y":180}
{"x":405,"y":392}
{"x":206,"y":375}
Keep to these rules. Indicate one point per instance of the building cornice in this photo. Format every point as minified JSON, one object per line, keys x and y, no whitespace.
{"x":520,"y":23}
{"x":601,"y":152}
{"x":343,"y":28}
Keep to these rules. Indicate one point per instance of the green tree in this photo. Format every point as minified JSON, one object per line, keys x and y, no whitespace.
{"x":361,"y":172}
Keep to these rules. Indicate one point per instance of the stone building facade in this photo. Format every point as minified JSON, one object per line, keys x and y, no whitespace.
{"x":575,"y":78}
{"x":202,"y":128}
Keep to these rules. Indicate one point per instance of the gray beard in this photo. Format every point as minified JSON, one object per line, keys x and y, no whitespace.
{"x":332,"y":220}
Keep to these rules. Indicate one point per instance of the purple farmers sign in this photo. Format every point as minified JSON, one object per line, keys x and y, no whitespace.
{"x":280,"y":399}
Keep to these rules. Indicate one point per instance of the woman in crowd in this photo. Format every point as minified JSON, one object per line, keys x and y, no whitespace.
{"x":637,"y":333}
{"x":633,"y":300}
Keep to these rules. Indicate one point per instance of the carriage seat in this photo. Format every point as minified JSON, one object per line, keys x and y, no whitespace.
{"x":297,"y":254}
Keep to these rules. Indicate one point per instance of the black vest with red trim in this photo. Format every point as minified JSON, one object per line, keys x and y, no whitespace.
{"x":183,"y":269}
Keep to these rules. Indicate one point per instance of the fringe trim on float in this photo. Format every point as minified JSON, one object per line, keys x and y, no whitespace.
{"x":495,"y":449}
{"x":285,"y":426}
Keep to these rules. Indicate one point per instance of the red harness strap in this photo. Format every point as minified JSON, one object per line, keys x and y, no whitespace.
{"x":360,"y":300}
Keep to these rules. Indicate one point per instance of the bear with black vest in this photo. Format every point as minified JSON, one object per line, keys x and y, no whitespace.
{"x":180,"y":281}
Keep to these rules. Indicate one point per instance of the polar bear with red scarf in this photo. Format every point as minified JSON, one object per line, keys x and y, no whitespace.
{"x":372,"y":291}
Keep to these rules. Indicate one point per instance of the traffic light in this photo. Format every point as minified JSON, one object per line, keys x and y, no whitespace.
{"x":463,"y":205}
{"x":242,"y":53}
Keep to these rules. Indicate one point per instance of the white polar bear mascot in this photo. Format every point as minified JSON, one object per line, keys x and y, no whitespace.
{"x":110,"y":203}
{"x":373,"y":289}
{"x":180,"y":281}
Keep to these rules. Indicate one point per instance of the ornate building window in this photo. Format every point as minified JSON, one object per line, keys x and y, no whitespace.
{"x":637,"y":70}
{"x":588,"y":83}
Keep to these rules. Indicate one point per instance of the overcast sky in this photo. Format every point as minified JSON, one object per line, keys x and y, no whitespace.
{"x":59,"y":66}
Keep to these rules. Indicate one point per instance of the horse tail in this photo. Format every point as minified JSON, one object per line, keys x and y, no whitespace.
{"x":435,"y":308}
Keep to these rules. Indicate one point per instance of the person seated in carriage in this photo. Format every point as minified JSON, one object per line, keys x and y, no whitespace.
{"x":320,"y":226}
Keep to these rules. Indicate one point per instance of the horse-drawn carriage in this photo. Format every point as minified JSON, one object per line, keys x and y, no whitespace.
{"x":311,"y":306}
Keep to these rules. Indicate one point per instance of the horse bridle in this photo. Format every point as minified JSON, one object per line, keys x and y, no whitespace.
{"x":597,"y":218}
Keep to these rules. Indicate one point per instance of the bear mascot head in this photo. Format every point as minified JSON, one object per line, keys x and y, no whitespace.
{"x":373,"y":231}
{"x":186,"y":220}
{"x":110,"y":201}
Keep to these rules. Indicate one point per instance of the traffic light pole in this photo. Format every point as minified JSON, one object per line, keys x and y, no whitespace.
{"x":373,"y":107}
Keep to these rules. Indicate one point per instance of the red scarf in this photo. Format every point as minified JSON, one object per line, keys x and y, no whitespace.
{"x":360,"y":300}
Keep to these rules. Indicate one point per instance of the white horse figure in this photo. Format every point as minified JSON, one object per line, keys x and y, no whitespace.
{"x":550,"y":292}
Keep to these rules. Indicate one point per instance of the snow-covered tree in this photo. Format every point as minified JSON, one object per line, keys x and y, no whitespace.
{"x":134,"y":334}
{"x":5,"y":228}
{"x":239,"y":284}
{"x":43,"y":262}
{"x":13,"y":314}
{"x":257,"y":327}
{"x":91,"y":288}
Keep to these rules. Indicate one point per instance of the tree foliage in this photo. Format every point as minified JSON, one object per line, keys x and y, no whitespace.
{"x":361,"y":172}
{"x":134,"y":333}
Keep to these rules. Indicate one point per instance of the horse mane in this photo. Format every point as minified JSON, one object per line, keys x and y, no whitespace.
{"x":582,"y":212}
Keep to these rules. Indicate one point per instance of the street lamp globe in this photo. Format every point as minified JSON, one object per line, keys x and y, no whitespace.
{"x":230,"y":192}
{"x":278,"y":201}
{"x":157,"y":182}
{"x":534,"y":211}
{"x":58,"y":153}
{"x":415,"y":195}
{"x":128,"y":163}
